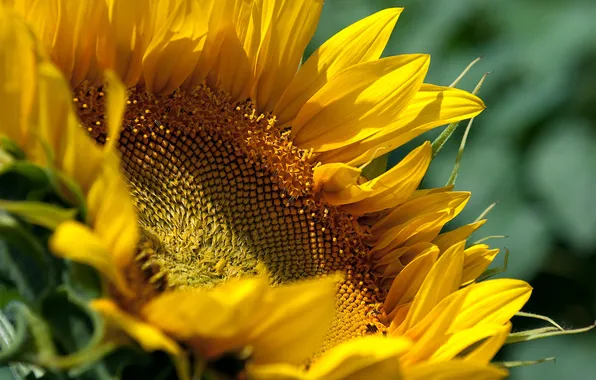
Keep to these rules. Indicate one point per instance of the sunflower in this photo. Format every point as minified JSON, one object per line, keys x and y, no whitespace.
{"x":245,"y":222}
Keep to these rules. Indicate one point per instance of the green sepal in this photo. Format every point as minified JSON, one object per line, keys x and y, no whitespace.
{"x":543,"y":332}
{"x":22,"y":180}
{"x":440,"y":141}
{"x":523,"y":363}
{"x":12,"y":148}
{"x":495,"y":271}
{"x":24,"y":262}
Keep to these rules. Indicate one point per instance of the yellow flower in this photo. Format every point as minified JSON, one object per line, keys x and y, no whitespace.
{"x":238,"y":157}
{"x":38,"y":115}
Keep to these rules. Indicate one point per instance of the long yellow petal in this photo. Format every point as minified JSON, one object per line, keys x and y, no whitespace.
{"x":300,"y":316}
{"x":491,"y":337}
{"x":362,"y":358}
{"x":70,"y":31}
{"x":76,"y":242}
{"x":17,"y":77}
{"x":431,"y":107}
{"x":359,"y":102}
{"x":334,"y":178}
{"x":223,"y":60}
{"x":112,"y":213}
{"x":389,"y":264}
{"x":408,"y":282}
{"x":395,"y":186}
{"x":71,"y":150}
{"x":433,"y":334}
{"x":447,"y":239}
{"x":357,"y":359}
{"x":181,"y":36}
{"x":477,"y":258}
{"x":451,"y":202}
{"x":419,"y":229}
{"x":249,"y":312}
{"x":492,"y":302}
{"x":486,"y":351}
{"x":443,"y":279}
{"x":126,"y":37}
{"x":454,"y":369}
{"x":288,"y":27}
{"x":116,"y":103}
{"x":362,"y":41}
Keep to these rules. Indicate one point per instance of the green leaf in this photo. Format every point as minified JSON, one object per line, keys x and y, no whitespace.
{"x":24,"y":180}
{"x":32,"y":341}
{"x":83,"y":280}
{"x":69,"y":191}
{"x":42,"y":214}
{"x":24,"y":261}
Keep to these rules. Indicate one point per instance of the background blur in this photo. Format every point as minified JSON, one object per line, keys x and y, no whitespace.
{"x":533,"y":150}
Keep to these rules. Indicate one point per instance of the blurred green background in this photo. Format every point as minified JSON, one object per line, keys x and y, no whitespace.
{"x":533,"y":150}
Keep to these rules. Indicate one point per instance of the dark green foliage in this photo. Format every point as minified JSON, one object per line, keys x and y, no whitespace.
{"x":45,"y":321}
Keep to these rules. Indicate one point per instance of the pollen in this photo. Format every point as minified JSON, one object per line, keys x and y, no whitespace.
{"x":220,"y":190}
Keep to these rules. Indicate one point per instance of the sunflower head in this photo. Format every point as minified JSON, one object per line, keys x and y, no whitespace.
{"x":222,"y":192}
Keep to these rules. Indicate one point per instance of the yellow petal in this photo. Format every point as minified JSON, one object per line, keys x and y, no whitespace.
{"x":477,"y":258}
{"x":450,"y":202}
{"x":275,"y":372}
{"x":431,"y":333}
{"x":333,"y":178}
{"x":395,"y":186}
{"x":70,"y":31}
{"x":112,"y":213}
{"x":285,"y":323}
{"x":17,"y":77}
{"x":419,"y":229}
{"x":233,"y":70}
{"x":76,"y":242}
{"x":491,"y":337}
{"x":408,"y":282}
{"x":181,"y":36}
{"x":126,"y":38}
{"x":233,"y":312}
{"x":443,"y":279}
{"x":358,"y":102}
{"x":287,"y":28}
{"x":296,"y":324}
{"x":71,"y":150}
{"x":486,"y":351}
{"x":389,"y":264}
{"x":116,"y":103}
{"x":431,"y":107}
{"x":149,"y":337}
{"x":357,"y":359}
{"x":492,"y":302}
{"x":447,"y":239}
{"x":222,"y":53}
{"x":362,"y":41}
{"x":454,"y":369}
{"x":362,"y":358}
